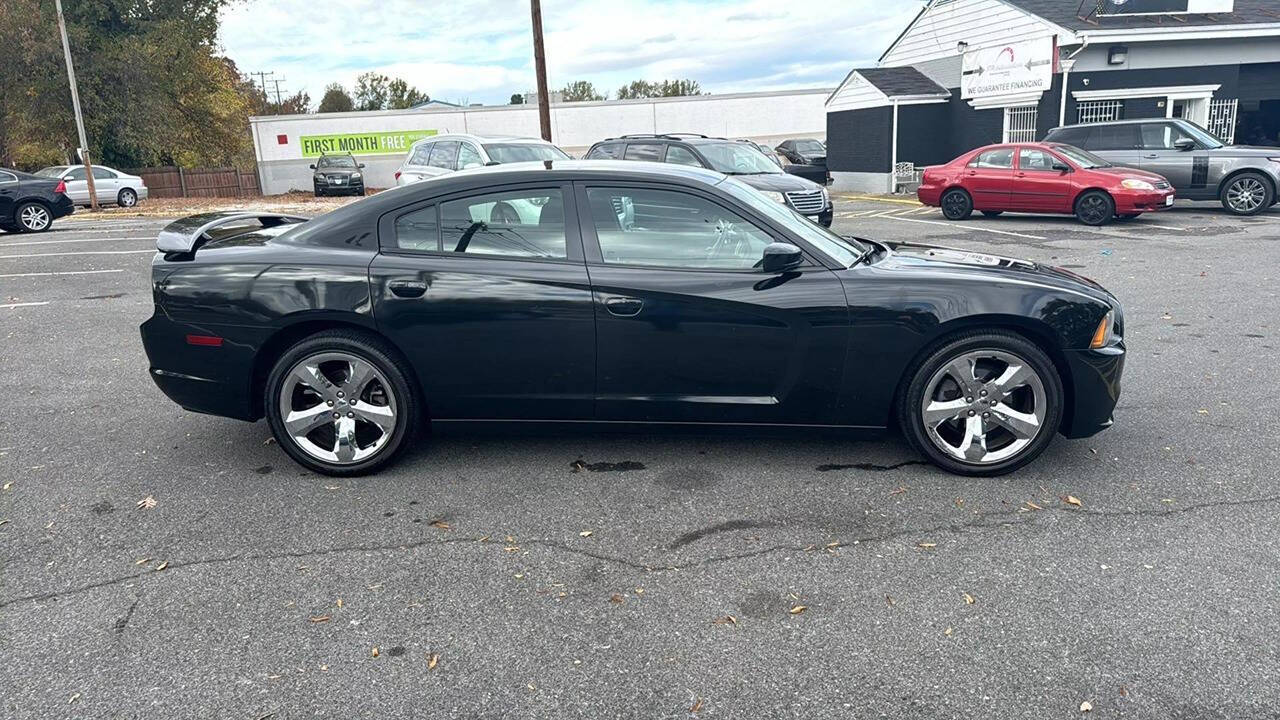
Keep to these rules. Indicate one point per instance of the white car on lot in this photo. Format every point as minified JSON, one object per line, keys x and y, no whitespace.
{"x":442,"y":154}
{"x":113,"y":187}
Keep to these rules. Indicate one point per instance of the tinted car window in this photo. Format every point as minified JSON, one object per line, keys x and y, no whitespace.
{"x":444,"y":155}
{"x":523,"y":152}
{"x":1000,"y":159}
{"x":643,"y":151}
{"x":6,"y":177}
{"x":1113,"y":137}
{"x":103,"y":174}
{"x":75,"y":174}
{"x":421,"y":154}
{"x":1077,"y":136}
{"x":672,"y":229}
{"x":328,"y":161}
{"x":605,"y":152}
{"x":1161,"y":136}
{"x":468,"y":156}
{"x":520,"y":223}
{"x":682,"y":156}
{"x":1035,"y":160}
{"x":418,"y":230}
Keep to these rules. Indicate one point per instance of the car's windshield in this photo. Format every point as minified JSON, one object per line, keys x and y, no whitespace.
{"x":1083,"y":158}
{"x":735,"y":158}
{"x":336,"y":161}
{"x":810,"y":146}
{"x":523,"y":152}
{"x":843,"y":250}
{"x":55,"y":171}
{"x":1202,"y":136}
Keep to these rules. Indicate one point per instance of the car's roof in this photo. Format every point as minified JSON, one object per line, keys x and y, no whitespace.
{"x":1129,"y":121}
{"x":630,"y":168}
{"x":514,"y":139}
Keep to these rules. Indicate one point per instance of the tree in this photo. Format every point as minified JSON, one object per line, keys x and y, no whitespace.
{"x":666,"y":88}
{"x":335,"y":99}
{"x":517,"y":98}
{"x":581,"y":91}
{"x":372,"y":91}
{"x":401,"y":95}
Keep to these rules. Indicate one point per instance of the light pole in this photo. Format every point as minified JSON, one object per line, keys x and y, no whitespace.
{"x":75,"y":105}
{"x":540,"y":67}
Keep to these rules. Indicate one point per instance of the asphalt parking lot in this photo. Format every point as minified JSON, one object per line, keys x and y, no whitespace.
{"x":656,"y":576}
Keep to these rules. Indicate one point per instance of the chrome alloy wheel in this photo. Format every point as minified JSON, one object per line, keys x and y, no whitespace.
{"x":337,"y":407}
{"x":984,"y":406}
{"x":34,"y":218}
{"x":1246,"y":195}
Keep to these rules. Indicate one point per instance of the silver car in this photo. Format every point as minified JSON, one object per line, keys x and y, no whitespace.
{"x":1200,"y":166}
{"x":442,"y":154}
{"x":112,"y":186}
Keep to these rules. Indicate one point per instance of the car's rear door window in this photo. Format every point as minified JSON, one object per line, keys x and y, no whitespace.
{"x":998,"y":159}
{"x":664,"y":228}
{"x":419,"y":230}
{"x":1114,"y":137}
{"x":444,"y":155}
{"x":682,"y":156}
{"x":605,"y":151}
{"x":421,"y":154}
{"x":518,"y":223}
{"x":644,"y":151}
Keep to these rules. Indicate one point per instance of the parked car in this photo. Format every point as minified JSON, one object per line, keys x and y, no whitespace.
{"x":29,"y":203}
{"x":764,"y":150}
{"x":440,"y":154}
{"x":1041,"y":178}
{"x":642,"y":295}
{"x":730,"y":157}
{"x":337,"y":175}
{"x":803,"y":151}
{"x":1199,"y":165}
{"x":112,"y":186}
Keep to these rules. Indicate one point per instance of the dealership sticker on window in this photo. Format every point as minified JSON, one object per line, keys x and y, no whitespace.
{"x":370,"y":143}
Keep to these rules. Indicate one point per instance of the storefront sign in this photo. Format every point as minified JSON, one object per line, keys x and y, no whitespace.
{"x":368,"y":143}
{"x":1014,"y":69}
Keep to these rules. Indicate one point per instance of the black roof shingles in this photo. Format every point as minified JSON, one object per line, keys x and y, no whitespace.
{"x":1082,"y":16}
{"x":901,"y":81}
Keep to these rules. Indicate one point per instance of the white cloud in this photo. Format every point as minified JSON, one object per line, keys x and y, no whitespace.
{"x":482,"y":49}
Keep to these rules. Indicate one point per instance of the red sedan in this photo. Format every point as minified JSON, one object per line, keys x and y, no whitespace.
{"x":1042,"y":178}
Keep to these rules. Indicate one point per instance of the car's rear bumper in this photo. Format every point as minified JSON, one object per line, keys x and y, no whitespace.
{"x":215,"y":380}
{"x":62,"y":207}
{"x":930,"y":195}
{"x":1094,"y":387}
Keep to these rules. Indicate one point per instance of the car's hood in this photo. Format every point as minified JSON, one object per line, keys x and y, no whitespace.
{"x":777,"y":182}
{"x":1246,"y":151}
{"x":1125,"y":173}
{"x":908,"y":256}
{"x":335,"y":171}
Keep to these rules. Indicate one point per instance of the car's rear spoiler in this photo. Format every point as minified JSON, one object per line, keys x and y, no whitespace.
{"x":185,"y":235}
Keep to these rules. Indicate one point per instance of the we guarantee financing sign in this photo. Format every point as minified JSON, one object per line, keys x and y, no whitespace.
{"x":367,"y":143}
{"x":1012,"y":69}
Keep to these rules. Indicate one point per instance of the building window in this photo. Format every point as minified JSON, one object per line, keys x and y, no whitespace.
{"x":1096,"y":111}
{"x":1020,"y":124}
{"x":1222,"y":119}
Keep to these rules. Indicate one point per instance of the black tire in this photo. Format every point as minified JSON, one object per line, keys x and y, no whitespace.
{"x":1248,"y":193}
{"x":909,"y":411}
{"x":399,"y":386}
{"x":32,"y":217}
{"x":1095,"y":207}
{"x":127,"y":198}
{"x":956,"y":204}
{"x":993,"y":213}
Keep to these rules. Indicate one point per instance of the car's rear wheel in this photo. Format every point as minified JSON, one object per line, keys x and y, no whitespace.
{"x":956,"y":204}
{"x":127,"y":198}
{"x":993,"y":213}
{"x":1247,"y":194}
{"x":33,"y":217}
{"x":1095,"y":207}
{"x":341,"y":403}
{"x":983,"y":403}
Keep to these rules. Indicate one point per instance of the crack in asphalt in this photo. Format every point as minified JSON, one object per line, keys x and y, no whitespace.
{"x":1005,"y":519}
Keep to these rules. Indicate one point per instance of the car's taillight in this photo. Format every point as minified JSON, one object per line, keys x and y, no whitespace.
{"x":397,"y":174}
{"x":62,"y":187}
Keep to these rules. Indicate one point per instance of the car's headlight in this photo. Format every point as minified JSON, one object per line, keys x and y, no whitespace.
{"x":1134,"y":184}
{"x":1102,"y":335}
{"x":777,"y":197}
{"x":826,"y":198}
{"x":356,"y":176}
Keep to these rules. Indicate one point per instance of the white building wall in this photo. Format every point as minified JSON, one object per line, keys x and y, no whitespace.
{"x":765,"y":117}
{"x":980,"y":23}
{"x":855,"y":94}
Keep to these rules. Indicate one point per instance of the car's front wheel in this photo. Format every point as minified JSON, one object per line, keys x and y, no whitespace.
{"x":956,"y":204}
{"x":984,"y":403}
{"x":33,"y":217}
{"x":341,"y":403}
{"x":1247,"y":194}
{"x":1095,"y":207}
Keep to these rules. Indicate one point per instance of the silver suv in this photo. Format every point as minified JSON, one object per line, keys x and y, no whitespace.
{"x":1199,"y":165}
{"x":442,"y":154}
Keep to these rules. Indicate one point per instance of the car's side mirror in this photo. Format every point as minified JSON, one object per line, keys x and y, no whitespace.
{"x":1184,"y":144}
{"x":360,"y":166}
{"x":780,"y":257}
{"x":492,"y":162}
{"x":312,"y":166}
{"x":1061,"y":167}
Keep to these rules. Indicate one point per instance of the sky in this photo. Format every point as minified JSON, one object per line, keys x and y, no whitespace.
{"x":481,"y":51}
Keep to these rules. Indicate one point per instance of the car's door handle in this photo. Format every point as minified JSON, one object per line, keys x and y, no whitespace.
{"x":1021,"y":174}
{"x":623,"y":306}
{"x":1150,"y":157}
{"x":407,"y":288}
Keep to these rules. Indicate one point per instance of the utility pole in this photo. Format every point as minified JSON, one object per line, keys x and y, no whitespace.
{"x":540,"y":66}
{"x":262,"y":83}
{"x":277,"y":82}
{"x":75,"y":105}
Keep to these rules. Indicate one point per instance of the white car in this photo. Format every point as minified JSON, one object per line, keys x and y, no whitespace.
{"x":442,"y":154}
{"x":113,"y":187}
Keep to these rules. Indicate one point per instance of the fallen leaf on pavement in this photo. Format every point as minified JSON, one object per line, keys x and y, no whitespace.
{"x":1032,"y":506}
{"x":697,"y":706}
{"x":798,"y":609}
{"x":147,"y":502}
{"x":4,"y":522}
{"x":927,"y":545}
{"x":616,"y":599}
{"x":585,"y":533}
{"x":888,"y":600}
{"x":947,"y":632}
{"x":320,"y":618}
{"x":339,"y":602}
{"x":901,"y":489}
{"x":578,"y":466}
{"x":8,"y":485}
{"x":1072,"y":500}
{"x":439,"y":524}
{"x":73,"y":698}
{"x":374,"y":652}
{"x":435,"y":660}
{"x":969,"y":599}
{"x":164,"y":564}
{"x":726,"y":620}
{"x":1086,"y":706}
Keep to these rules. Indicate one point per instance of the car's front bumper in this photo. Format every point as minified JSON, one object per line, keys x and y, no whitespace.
{"x":1138,"y":201}
{"x":1094,"y":389}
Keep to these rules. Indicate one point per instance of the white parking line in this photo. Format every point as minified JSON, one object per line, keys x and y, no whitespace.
{"x":86,"y":252}
{"x":18,"y":305}
{"x":64,"y":272}
{"x":967,"y":227}
{"x":84,"y":240}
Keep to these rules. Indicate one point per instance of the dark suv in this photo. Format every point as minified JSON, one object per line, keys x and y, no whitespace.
{"x":730,"y":157}
{"x":1199,"y":165}
{"x":337,"y":175}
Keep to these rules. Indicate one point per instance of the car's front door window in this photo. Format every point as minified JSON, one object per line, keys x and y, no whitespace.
{"x":1031,"y":160}
{"x":664,"y":228}
{"x":468,"y":156}
{"x":75,"y":174}
{"x":643,"y":151}
{"x":1161,"y":136}
{"x":681,"y":156}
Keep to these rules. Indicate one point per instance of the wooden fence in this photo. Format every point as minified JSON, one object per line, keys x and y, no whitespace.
{"x":199,"y":182}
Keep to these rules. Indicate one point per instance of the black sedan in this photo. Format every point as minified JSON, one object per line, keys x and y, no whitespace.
{"x":337,"y":175}
{"x":617,"y":293}
{"x":31,"y":204}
